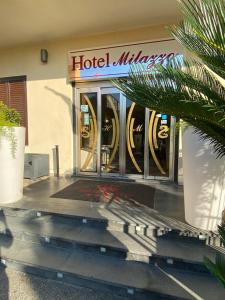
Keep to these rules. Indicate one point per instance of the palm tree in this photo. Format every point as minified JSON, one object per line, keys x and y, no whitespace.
{"x":194,"y":89}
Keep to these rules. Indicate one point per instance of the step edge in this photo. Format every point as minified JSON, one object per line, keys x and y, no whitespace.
{"x":92,"y":244}
{"x":99,"y":220}
{"x":92,"y":279}
{"x":121,"y":250}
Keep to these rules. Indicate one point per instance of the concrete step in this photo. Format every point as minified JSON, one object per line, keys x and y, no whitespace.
{"x":129,"y":220}
{"x":112,"y":217}
{"x":65,"y":233}
{"x":93,"y":219}
{"x":138,"y":280}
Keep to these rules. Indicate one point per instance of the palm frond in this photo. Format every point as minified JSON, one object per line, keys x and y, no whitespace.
{"x":202,"y":32}
{"x":217,"y":268}
{"x":221,"y":230}
{"x":189,"y":92}
{"x":211,"y":134}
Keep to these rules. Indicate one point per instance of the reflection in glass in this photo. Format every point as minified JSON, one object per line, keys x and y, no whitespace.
{"x":159,"y":144}
{"x":88,"y":132}
{"x":137,"y":130}
{"x":110,"y":133}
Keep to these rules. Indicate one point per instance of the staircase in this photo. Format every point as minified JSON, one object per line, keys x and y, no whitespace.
{"x":136,"y":261}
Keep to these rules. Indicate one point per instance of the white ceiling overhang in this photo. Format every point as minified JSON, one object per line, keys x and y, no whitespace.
{"x":30,"y":21}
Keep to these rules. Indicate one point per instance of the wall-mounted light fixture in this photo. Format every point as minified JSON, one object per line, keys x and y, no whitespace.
{"x":44,"y":56}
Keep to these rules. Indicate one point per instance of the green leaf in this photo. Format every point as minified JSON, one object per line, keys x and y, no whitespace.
{"x":217,"y":268}
{"x":193,"y":90}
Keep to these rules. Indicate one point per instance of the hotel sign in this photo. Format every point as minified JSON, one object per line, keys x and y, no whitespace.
{"x":116,"y":61}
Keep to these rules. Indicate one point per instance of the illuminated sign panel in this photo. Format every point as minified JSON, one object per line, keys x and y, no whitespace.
{"x":116,"y":61}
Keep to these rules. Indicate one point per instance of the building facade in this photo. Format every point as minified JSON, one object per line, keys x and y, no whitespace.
{"x":71,"y":102}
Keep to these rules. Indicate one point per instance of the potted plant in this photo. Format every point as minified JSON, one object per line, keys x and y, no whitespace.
{"x":12,"y":144}
{"x":193,"y":90}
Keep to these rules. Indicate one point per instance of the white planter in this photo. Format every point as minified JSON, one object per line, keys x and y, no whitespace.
{"x":204,"y":183}
{"x":12,"y":165}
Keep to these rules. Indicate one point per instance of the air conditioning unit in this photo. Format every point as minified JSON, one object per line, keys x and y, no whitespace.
{"x":36,"y":165}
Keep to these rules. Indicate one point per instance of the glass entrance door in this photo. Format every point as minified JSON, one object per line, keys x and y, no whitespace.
{"x":160,"y":142}
{"x":88,"y":132}
{"x":117,"y":137}
{"x":135,"y":138}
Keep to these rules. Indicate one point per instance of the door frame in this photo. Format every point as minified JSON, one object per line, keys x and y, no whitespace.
{"x":112,"y":89}
{"x":96,"y":87}
{"x":77,"y":166}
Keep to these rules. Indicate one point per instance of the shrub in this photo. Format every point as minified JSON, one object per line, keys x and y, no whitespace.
{"x":9,"y":116}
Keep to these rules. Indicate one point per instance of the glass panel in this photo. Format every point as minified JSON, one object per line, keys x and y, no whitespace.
{"x":159,"y":144}
{"x":110,"y":133}
{"x":135,"y":138}
{"x":88,"y":132}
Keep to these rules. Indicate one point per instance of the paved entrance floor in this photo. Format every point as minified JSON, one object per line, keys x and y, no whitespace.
{"x":168,"y":201}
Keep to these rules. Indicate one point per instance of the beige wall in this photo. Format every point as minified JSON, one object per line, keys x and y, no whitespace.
{"x":49,"y":95}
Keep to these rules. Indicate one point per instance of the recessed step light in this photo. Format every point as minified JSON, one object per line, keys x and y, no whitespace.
{"x":38,"y":214}
{"x":169,"y":261}
{"x":47,"y":239}
{"x":84,"y":221}
{"x":159,"y":232}
{"x":202,"y":236}
{"x":59,"y":275}
{"x":102,"y":249}
{"x":138,"y":228}
{"x":130,"y":291}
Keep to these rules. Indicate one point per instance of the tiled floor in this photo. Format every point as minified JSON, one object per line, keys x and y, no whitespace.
{"x":168,"y":198}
